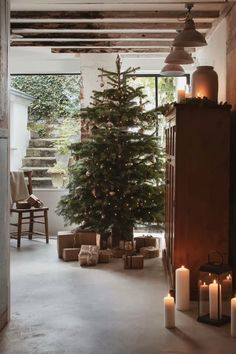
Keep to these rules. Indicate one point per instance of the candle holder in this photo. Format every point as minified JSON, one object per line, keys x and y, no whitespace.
{"x":215,"y":291}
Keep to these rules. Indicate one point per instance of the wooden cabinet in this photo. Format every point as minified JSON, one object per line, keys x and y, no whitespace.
{"x":197,"y":187}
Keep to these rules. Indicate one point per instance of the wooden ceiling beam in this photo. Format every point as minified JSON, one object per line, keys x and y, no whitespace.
{"x":94,"y":36}
{"x":111,"y":50}
{"x":89,"y":44}
{"x":105,"y":26}
{"x":99,"y":15}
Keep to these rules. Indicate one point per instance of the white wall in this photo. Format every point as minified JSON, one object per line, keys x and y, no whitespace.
{"x":31,"y":60}
{"x":51,"y":198}
{"x":89,"y":64}
{"x":19,"y":134}
{"x":214,"y":54}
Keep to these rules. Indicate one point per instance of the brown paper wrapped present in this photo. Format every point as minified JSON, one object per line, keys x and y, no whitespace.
{"x":65,"y":239}
{"x":149,"y":252}
{"x":86,"y":237}
{"x":70,"y":239}
{"x":34,"y":201}
{"x":70,"y":254}
{"x":88,"y":255}
{"x":133,"y":262}
{"x":145,"y":241}
{"x":104,"y":256}
{"x":118,"y":253}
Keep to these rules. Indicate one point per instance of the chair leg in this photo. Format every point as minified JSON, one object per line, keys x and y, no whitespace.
{"x":31,"y":225}
{"x":46,"y":225}
{"x":19,"y":229}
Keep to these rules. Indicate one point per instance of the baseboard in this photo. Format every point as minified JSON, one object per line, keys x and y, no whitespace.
{"x":4,"y":318}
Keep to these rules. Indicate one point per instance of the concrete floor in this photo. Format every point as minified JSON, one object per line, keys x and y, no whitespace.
{"x":61,"y":308}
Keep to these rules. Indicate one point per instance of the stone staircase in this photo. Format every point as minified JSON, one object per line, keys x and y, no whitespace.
{"x":40,"y":155}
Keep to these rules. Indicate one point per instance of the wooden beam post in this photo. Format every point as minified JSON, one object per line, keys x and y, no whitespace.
{"x":4,"y":163}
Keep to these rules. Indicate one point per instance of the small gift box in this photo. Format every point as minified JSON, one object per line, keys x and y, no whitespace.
{"x":88,"y":255}
{"x":34,"y":201}
{"x":133,"y":262}
{"x":104,"y":256}
{"x":145,"y":241}
{"x":149,"y":252}
{"x":70,"y":254}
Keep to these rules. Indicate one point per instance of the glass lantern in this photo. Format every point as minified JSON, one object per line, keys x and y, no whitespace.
{"x":215,"y":291}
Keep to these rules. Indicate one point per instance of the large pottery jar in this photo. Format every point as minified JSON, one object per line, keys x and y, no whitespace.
{"x":205,"y":83}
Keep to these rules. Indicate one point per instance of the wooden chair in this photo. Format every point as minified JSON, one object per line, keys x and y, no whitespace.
{"x":29,"y":217}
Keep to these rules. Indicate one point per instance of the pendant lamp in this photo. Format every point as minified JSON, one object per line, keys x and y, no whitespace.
{"x":179,"y":56}
{"x":189,"y":37}
{"x":172,"y":70}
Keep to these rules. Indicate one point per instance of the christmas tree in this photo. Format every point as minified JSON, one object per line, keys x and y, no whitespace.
{"x":117,"y":180}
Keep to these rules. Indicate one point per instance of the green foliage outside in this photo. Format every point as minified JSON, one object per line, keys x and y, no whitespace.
{"x":166,"y":90}
{"x":117,"y":180}
{"x":56,"y":97}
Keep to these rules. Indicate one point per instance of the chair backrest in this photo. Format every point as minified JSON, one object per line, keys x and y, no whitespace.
{"x":28,"y":174}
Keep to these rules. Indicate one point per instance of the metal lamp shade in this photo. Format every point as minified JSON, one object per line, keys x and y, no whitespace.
{"x":189,"y":37}
{"x":172,"y":70}
{"x":179,"y":56}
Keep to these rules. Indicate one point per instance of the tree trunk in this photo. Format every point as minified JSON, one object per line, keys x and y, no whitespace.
{"x":118,"y":235}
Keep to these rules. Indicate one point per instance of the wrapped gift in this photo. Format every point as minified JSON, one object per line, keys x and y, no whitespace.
{"x":23,"y":204}
{"x":86,"y":237}
{"x":122,"y":244}
{"x":118,"y":253}
{"x":88,"y":255}
{"x":65,"y":239}
{"x":35,"y":201}
{"x":71,"y":239}
{"x":149,"y":252}
{"x":104,"y":256}
{"x":70,"y":254}
{"x":145,"y":241}
{"x":133,"y":262}
{"x":129,"y":245}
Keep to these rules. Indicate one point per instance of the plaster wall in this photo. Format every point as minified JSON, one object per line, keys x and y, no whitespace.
{"x":89,"y":64}
{"x":41,"y":61}
{"x":214,"y":54}
{"x":19,"y":134}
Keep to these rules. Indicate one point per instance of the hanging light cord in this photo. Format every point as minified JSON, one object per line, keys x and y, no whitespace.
{"x":187,"y":14}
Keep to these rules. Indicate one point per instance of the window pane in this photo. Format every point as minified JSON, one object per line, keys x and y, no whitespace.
{"x":149,"y":89}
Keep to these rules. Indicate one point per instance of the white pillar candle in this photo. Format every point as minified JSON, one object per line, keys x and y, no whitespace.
{"x":204,"y":298}
{"x":169,"y":309}
{"x":215,"y":302}
{"x":227,"y":287}
{"x":233,"y":317}
{"x":182,"y":288}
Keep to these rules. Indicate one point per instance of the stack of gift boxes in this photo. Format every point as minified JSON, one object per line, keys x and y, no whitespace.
{"x":84,"y":246}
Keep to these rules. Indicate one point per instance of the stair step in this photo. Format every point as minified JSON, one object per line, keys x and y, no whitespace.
{"x":41,"y":182}
{"x":37,"y":171}
{"x":40,"y":152}
{"x":42,"y":143}
{"x":38,"y":161}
